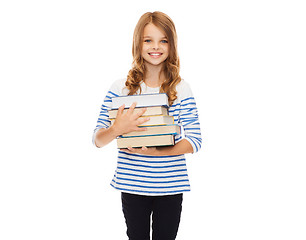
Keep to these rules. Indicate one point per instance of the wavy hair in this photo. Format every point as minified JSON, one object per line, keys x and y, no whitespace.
{"x":171,"y":66}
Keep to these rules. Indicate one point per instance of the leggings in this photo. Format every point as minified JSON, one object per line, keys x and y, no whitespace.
{"x":166,"y":214}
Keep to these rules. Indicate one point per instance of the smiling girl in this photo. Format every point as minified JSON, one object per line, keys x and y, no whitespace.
{"x":152,"y":179}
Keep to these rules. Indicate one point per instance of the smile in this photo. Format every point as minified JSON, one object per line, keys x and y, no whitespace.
{"x":155,"y":54}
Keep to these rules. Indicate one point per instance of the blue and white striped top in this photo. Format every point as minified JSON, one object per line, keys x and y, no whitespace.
{"x":155,"y":175}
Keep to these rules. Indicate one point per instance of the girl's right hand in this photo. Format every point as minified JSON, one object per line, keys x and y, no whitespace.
{"x":129,"y":121}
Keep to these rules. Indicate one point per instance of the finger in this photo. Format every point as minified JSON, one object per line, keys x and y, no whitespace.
{"x":141,"y":129}
{"x":142,"y":120}
{"x":141,"y":112}
{"x":132,"y":107}
{"x":138,"y":114}
{"x":144,"y":148}
{"x":120,"y":110}
{"x":131,"y":149}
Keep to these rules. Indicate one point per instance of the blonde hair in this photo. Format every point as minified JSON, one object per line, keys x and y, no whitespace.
{"x":172,"y":64}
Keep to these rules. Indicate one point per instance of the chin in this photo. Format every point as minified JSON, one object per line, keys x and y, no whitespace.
{"x":153,"y":63}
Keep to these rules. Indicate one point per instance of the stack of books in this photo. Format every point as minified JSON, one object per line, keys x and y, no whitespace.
{"x":160,"y":128}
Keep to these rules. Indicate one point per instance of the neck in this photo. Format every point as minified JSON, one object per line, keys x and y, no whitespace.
{"x":154,"y":76}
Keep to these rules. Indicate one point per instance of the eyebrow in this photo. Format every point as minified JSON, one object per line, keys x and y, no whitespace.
{"x":151,"y":37}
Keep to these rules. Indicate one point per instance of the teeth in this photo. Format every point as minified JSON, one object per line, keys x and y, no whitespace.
{"x":155,"y":54}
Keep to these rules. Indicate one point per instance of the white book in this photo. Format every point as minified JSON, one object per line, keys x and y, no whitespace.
{"x":142,"y":100}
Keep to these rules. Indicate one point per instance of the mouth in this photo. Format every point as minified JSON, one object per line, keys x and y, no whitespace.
{"x":155,"y":54}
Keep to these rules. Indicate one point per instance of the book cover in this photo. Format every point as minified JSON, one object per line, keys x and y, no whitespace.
{"x":155,"y":130}
{"x":149,"y":141}
{"x":155,"y":120}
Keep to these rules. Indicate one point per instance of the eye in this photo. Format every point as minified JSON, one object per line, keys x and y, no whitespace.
{"x":164,"y":41}
{"x":147,"y":40}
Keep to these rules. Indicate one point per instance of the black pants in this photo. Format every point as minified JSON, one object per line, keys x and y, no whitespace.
{"x":166,"y":214}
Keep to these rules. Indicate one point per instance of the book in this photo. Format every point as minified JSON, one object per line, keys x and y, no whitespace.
{"x":148,"y":141}
{"x":156,"y":110}
{"x":160,"y":128}
{"x":142,"y":100}
{"x":155,"y":120}
{"x":155,"y":130}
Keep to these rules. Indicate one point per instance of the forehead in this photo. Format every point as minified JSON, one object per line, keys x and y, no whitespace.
{"x":151,"y":30}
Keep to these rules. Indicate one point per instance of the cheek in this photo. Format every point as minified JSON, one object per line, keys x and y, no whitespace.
{"x":144,"y":49}
{"x":166,"y":49}
{"x":143,"y":52}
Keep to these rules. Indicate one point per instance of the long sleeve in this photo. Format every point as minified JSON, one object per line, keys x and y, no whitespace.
{"x":188,"y":117}
{"x":103,"y":119}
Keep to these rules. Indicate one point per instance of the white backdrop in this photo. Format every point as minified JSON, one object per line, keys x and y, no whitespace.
{"x":245,"y":61}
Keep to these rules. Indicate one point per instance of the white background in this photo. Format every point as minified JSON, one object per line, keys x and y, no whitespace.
{"x":245,"y":62}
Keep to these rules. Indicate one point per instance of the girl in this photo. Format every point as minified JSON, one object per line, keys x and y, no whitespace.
{"x":152,"y":179}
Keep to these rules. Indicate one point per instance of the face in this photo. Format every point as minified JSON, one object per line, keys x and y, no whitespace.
{"x":155,"y":49}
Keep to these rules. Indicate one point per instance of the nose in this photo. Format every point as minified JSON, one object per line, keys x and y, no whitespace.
{"x":155,"y":45}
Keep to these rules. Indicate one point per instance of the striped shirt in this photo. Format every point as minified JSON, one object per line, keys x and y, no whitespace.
{"x":155,"y":175}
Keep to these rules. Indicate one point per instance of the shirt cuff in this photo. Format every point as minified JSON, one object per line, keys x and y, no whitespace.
{"x":194,"y":146}
{"x":94,"y":136}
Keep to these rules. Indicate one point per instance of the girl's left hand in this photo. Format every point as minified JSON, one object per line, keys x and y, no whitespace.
{"x":144,"y":150}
